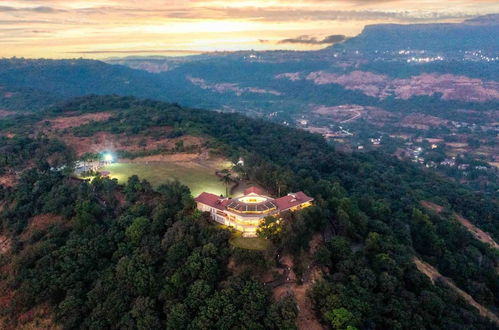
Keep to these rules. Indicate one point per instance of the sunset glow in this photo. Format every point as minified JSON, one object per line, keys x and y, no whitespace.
{"x":57,"y":28}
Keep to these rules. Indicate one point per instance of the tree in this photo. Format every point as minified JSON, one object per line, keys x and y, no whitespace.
{"x":270,"y":228}
{"x":137,"y":229}
{"x":340,"y":318}
{"x":145,"y":315}
{"x":179,"y":146}
{"x":87,"y":213}
{"x":226,"y":178}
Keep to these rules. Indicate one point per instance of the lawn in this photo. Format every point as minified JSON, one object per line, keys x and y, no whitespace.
{"x":250,"y":243}
{"x":197,"y":177}
{"x":247,"y":243}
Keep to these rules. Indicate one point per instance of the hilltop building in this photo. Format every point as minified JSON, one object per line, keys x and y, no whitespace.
{"x":245,"y":213}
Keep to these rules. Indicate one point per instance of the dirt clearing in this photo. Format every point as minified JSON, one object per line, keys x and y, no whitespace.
{"x":306,"y":320}
{"x":175,"y":158}
{"x":474,"y":230}
{"x":5,"y":244}
{"x":477,"y":232}
{"x":105,"y":141}
{"x":5,"y":113}
{"x":420,"y":121}
{"x":432,"y":206}
{"x":40,"y":223}
{"x":63,"y":122}
{"x":8,"y":180}
{"x":39,"y":317}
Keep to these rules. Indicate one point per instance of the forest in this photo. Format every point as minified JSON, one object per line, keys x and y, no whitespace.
{"x":129,"y":256}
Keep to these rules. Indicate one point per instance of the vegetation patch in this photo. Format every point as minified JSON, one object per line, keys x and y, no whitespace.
{"x":250,"y":243}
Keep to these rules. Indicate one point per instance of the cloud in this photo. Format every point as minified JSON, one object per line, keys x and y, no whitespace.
{"x":45,"y":9}
{"x":334,"y":39}
{"x":276,"y":11}
{"x":18,"y":22}
{"x":39,"y":9}
{"x":309,"y":40}
{"x":136,"y":51}
{"x":283,"y":14}
{"x":283,"y":11}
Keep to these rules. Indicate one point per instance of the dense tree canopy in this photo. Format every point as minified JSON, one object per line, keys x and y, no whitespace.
{"x":133,"y":257}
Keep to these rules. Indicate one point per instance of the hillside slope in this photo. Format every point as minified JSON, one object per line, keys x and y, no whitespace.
{"x":129,"y":256}
{"x":31,"y":84}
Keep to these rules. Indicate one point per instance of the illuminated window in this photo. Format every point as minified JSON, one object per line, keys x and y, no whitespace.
{"x":253,"y":199}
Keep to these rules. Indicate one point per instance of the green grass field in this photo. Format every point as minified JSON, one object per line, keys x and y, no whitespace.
{"x":253,"y":243}
{"x":197,"y":177}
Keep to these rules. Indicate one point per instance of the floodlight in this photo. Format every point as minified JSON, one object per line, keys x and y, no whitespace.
{"x":108,"y":158}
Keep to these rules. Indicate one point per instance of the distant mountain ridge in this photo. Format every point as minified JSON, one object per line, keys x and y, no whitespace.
{"x":491,"y":19}
{"x":479,"y":33}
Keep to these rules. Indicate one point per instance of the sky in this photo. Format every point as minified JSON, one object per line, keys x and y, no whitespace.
{"x":108,"y":28}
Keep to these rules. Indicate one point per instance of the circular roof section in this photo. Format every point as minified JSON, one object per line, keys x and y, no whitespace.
{"x":252,"y":204}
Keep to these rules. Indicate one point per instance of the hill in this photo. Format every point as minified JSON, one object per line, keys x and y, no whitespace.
{"x":103,"y":255}
{"x":471,"y":35}
{"x":31,"y":84}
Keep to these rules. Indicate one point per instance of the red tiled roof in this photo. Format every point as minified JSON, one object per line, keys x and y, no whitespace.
{"x":292,"y":200}
{"x":283,"y":203}
{"x":211,"y":200}
{"x":254,"y":190}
